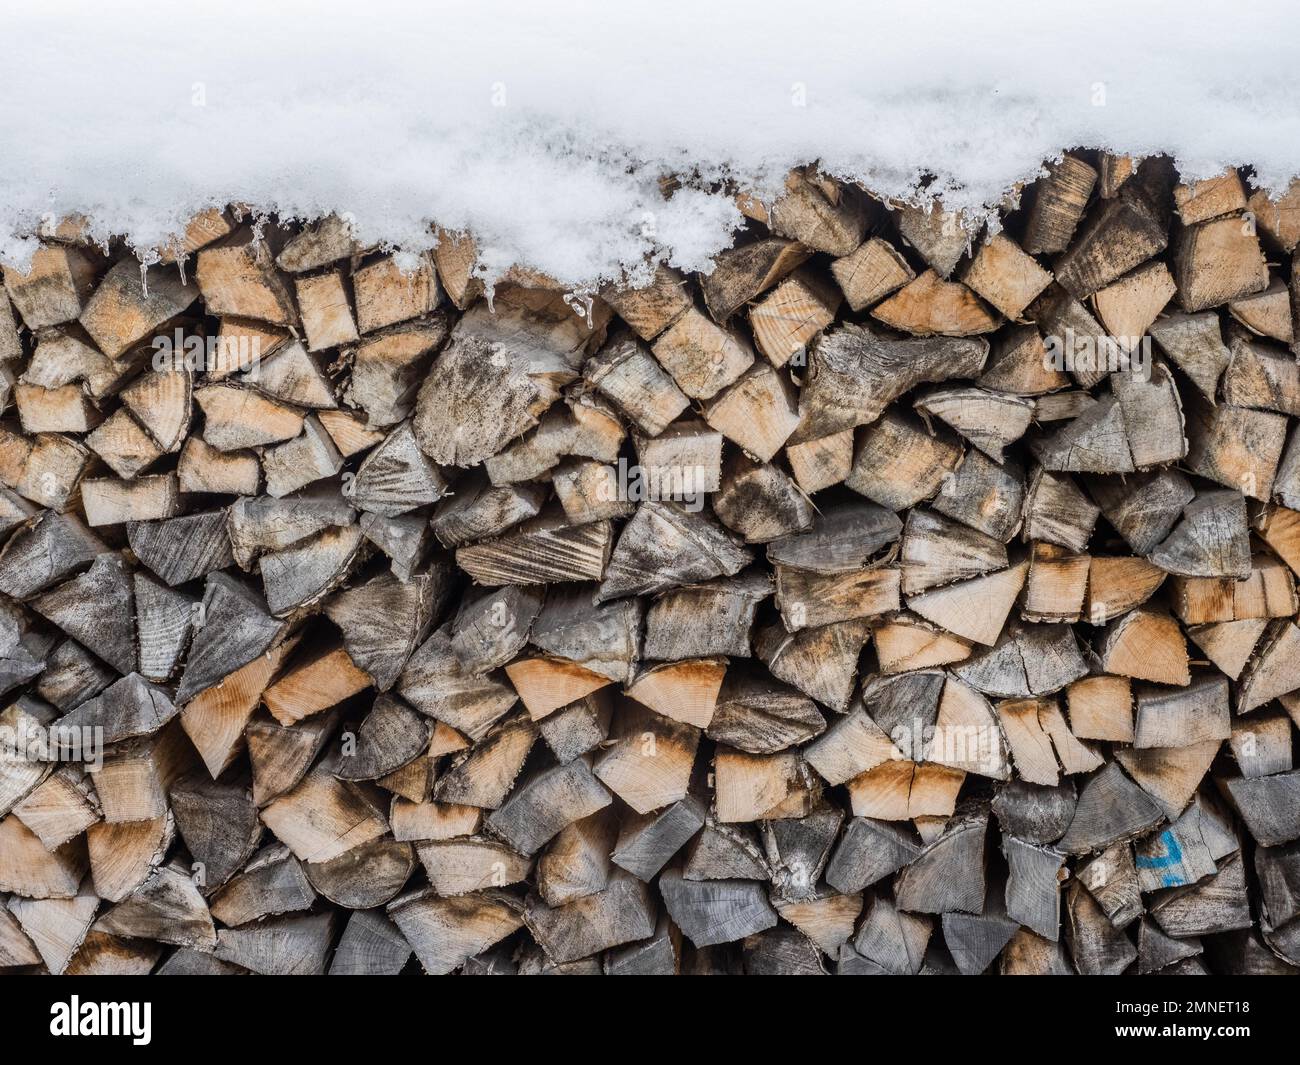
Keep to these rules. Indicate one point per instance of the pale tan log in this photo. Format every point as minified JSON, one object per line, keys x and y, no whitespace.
{"x":1145,"y":645}
{"x":545,"y":684}
{"x":239,"y":279}
{"x":750,"y":787}
{"x":1005,"y":275}
{"x":385,"y":293}
{"x":785,"y":322}
{"x":326,"y":314}
{"x":203,"y":468}
{"x":871,"y":272}
{"x":214,"y":719}
{"x":308,"y":687}
{"x":1200,"y":201}
{"x":904,"y":791}
{"x":906,"y":643}
{"x":108,"y":501}
{"x":930,"y":306}
{"x":684,"y":691}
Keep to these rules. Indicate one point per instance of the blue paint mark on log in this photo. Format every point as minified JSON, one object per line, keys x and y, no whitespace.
{"x":1173,"y":856}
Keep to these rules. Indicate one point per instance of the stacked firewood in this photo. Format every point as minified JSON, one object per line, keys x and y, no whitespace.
{"x":905,"y":595}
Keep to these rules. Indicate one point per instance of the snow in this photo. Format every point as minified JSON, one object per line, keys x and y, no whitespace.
{"x":543,"y":127}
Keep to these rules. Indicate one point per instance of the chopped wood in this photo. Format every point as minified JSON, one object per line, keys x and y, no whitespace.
{"x":454,"y":632}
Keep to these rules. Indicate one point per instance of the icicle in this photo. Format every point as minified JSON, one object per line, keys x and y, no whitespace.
{"x":581,"y":304}
{"x":144,"y":279}
{"x":180,"y":265}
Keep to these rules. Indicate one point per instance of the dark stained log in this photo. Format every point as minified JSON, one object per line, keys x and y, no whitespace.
{"x":1170,"y":775}
{"x":391,"y":736}
{"x":477,"y":510}
{"x":1034,"y":813}
{"x":44,"y":550}
{"x":492,"y":627}
{"x":281,"y":755}
{"x":975,"y":939}
{"x":855,"y":373}
{"x":435,"y":683}
{"x":900,"y":461}
{"x":712,"y":618}
{"x":798,"y":850}
{"x":219,"y":825}
{"x":761,"y":503}
{"x":128,"y":708}
{"x":760,"y":717}
{"x":271,"y":883}
{"x":602,"y":637}
{"x":578,"y":728}
{"x":1269,"y":806}
{"x":446,"y":933}
{"x":782,"y":951}
{"x":651,"y":308}
{"x":279,"y":946}
{"x":1144,"y":508}
{"x":365,"y":876}
{"x":1211,"y":540}
{"x":1097,"y":947}
{"x":725,"y":852}
{"x":542,"y":550}
{"x":659,"y":955}
{"x":1059,"y":205}
{"x":949,"y":874}
{"x":164,"y":623}
{"x":715,"y":911}
{"x":396,"y":477}
{"x":1121,"y":234}
{"x":1033,"y":893}
{"x":505,"y":365}
{"x":1157,"y":951}
{"x":543,"y":805}
{"x":385,"y":619}
{"x":166,"y":908}
{"x":1216,"y":904}
{"x":237,"y":627}
{"x":623,"y":912}
{"x":1111,"y":808}
{"x":371,"y":945}
{"x":889,"y":941}
{"x":666,"y":545}
{"x":742,"y":273}
{"x":820,"y":662}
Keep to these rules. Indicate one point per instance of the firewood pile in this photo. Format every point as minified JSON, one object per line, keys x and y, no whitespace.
{"x":903,"y":596}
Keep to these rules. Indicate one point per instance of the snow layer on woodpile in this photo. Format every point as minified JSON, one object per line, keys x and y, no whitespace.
{"x":543,"y":127}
